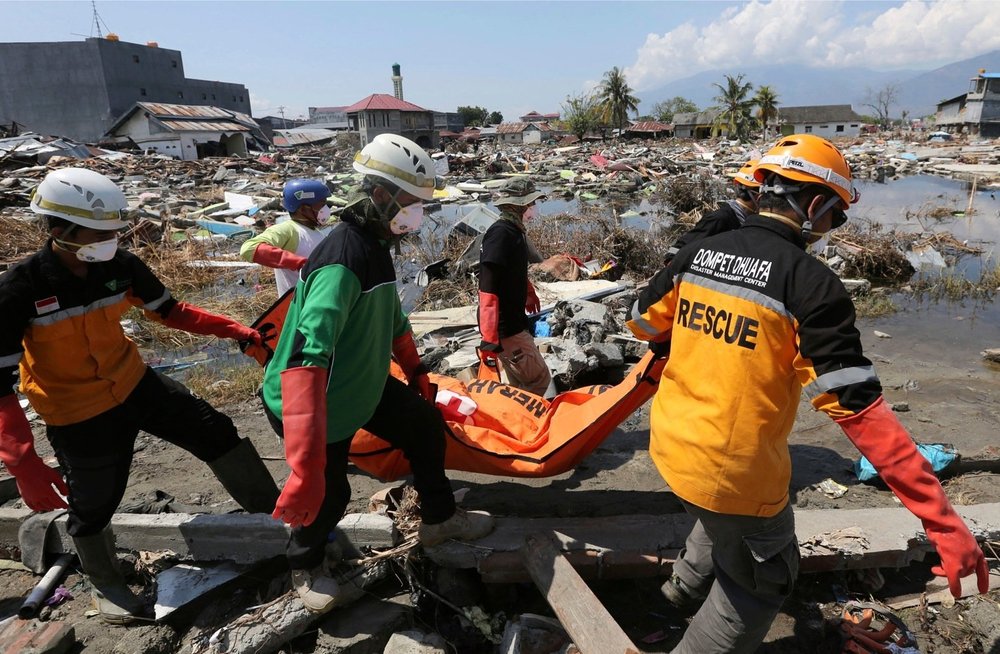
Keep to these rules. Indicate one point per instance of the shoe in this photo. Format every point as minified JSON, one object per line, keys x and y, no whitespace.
{"x":317,"y":591}
{"x":678,"y":593}
{"x":463,"y":525}
{"x":110,"y":595}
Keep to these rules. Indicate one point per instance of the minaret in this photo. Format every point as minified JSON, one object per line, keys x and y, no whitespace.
{"x":397,"y":82}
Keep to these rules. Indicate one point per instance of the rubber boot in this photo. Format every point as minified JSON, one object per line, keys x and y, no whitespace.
{"x":110,"y":594}
{"x":244,"y":475}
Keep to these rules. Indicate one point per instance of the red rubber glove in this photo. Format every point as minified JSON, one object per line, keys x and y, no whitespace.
{"x":404,"y":350}
{"x":17,"y":451}
{"x":198,"y":321}
{"x":489,"y":324}
{"x":273,"y":257}
{"x":303,"y":418}
{"x":532,"y":305}
{"x":877,"y":434}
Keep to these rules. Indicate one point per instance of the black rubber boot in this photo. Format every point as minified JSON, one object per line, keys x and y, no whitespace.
{"x":110,"y":594}
{"x":244,"y":475}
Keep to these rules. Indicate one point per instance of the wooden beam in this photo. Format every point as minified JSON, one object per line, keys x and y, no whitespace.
{"x":585,"y":619}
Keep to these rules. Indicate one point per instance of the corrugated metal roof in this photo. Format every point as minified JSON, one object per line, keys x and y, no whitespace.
{"x":650,"y":126}
{"x":204,"y":126}
{"x":161,"y":110}
{"x":382,"y":101}
{"x":511,"y":128}
{"x":289,"y":137}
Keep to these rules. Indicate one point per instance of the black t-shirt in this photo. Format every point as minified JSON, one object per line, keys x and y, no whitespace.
{"x":504,"y":272}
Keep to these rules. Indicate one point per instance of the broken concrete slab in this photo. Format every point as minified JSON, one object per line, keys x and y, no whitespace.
{"x":239,"y":537}
{"x":416,"y":642}
{"x":364,"y":627}
{"x":642,"y":545}
{"x":182,"y":584}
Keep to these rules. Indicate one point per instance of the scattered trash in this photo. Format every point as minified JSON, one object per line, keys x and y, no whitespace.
{"x":831,"y":489}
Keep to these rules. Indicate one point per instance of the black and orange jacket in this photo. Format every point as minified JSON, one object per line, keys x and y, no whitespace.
{"x":65,"y":333}
{"x":753,"y":321}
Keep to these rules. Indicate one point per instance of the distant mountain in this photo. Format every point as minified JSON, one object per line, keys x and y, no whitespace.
{"x":796,"y":85}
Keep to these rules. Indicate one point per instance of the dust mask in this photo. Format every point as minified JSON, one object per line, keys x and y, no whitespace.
{"x":94,"y":252}
{"x":323,"y":215}
{"x":408,"y":219}
{"x":530,"y":212}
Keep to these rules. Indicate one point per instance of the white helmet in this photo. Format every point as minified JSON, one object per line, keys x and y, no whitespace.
{"x":82,"y":197}
{"x":399,"y":160}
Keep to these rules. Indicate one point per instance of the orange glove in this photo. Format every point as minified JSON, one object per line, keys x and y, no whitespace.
{"x":35,"y":480}
{"x":303,"y":418}
{"x":198,"y":321}
{"x":532,"y":305}
{"x":404,"y":350}
{"x":273,"y":257}
{"x":877,"y":434}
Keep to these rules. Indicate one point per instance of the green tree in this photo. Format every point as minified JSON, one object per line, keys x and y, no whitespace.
{"x":495,"y":118}
{"x":581,"y":113}
{"x":616,"y":98}
{"x":767,"y":106}
{"x":665,"y":110}
{"x":736,"y":109}
{"x":473,"y":116}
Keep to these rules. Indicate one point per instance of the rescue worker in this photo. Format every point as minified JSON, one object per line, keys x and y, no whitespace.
{"x":285,"y":245}
{"x":753,"y":320}
{"x":329,"y":375}
{"x":61,"y":309}
{"x":506,"y":294}
{"x":731,"y":214}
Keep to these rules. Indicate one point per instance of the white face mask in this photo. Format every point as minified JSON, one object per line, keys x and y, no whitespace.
{"x":323,"y":215}
{"x":94,"y":252}
{"x":408,"y":219}
{"x":530,"y":212}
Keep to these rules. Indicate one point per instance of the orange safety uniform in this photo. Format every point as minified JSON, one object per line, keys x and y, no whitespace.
{"x":752,"y":320}
{"x":65,"y":334}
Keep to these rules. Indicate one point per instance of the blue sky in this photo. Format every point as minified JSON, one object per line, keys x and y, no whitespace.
{"x":510,"y":56}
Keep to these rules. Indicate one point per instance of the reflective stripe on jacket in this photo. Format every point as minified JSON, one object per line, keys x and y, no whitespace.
{"x":753,"y":320}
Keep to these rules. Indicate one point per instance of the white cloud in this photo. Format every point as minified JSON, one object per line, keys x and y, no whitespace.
{"x":915,"y":33}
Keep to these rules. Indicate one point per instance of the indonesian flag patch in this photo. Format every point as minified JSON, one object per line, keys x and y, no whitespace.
{"x":48,"y":305}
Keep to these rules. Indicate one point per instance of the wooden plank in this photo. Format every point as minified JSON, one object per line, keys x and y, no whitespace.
{"x":585,"y":619}
{"x":34,"y":637}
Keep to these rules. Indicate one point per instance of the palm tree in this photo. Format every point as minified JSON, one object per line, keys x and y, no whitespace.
{"x":736,"y":108}
{"x":616,"y":97}
{"x":767,"y":106}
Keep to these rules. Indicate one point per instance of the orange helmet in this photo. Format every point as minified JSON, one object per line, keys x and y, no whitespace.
{"x":812,"y":160}
{"x":745,"y":175}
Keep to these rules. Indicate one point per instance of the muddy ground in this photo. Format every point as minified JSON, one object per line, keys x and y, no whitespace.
{"x":931,"y":362}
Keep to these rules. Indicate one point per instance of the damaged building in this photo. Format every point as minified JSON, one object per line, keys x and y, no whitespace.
{"x":105,"y":77}
{"x":976,"y":112}
{"x":188,"y":132}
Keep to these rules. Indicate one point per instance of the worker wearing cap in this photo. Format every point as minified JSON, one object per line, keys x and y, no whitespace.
{"x":286,"y":245}
{"x":753,"y":321}
{"x":62,"y":310}
{"x":506,"y":294}
{"x":730,"y":214}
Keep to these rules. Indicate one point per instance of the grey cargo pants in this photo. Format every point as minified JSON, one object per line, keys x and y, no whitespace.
{"x":745,"y":567}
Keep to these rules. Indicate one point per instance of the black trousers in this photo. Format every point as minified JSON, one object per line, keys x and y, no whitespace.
{"x":96,"y":454}
{"x":407,"y":422}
